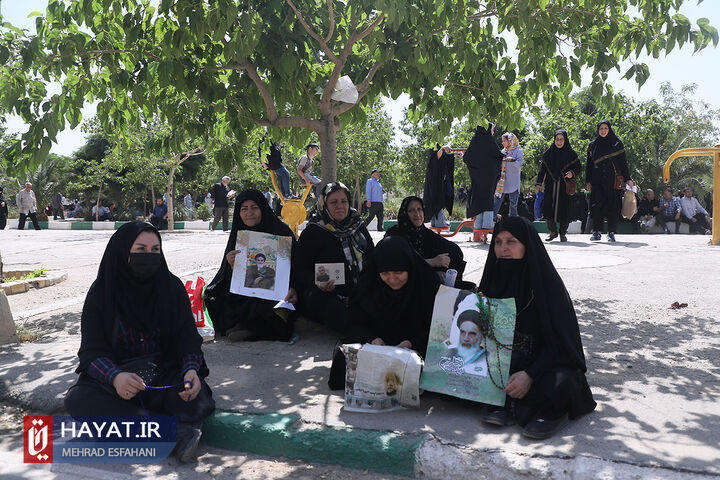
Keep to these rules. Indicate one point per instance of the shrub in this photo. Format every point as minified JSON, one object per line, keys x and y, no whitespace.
{"x":203,"y":212}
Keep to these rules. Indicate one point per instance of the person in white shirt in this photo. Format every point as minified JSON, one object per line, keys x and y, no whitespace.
{"x":694,"y":214}
{"x":27,"y":207}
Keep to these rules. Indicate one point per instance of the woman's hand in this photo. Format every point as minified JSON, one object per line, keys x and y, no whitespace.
{"x":328,"y":286}
{"x":404,"y":344}
{"x":230,"y":257}
{"x":518,"y":385}
{"x":291,"y":297}
{"x":569,"y":174}
{"x":439,"y":261}
{"x":378,"y":341}
{"x":192,"y":386}
{"x":128,"y":384}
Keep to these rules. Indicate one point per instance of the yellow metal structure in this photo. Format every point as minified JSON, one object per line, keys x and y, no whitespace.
{"x":697,"y":152}
{"x":293,"y":212}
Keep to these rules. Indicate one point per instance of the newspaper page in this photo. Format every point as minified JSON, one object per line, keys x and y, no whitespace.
{"x":381,"y":378}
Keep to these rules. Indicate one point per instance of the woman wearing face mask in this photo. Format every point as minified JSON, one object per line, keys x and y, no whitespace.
{"x":137,"y":330}
{"x":336,"y":235}
{"x":606,"y":173}
{"x":547,"y":384}
{"x":440,"y":253}
{"x":237,"y":316}
{"x":395,"y":298}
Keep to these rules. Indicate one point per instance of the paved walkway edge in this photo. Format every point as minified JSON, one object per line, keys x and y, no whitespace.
{"x":413,"y":455}
{"x":285,"y":435}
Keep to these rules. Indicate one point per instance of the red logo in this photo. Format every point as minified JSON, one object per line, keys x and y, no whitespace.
{"x":38,"y":436}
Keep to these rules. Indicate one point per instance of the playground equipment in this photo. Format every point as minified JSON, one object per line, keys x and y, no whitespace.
{"x":293,"y":211}
{"x":697,"y":152}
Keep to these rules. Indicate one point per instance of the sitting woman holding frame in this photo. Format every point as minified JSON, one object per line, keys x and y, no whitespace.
{"x":139,"y":350}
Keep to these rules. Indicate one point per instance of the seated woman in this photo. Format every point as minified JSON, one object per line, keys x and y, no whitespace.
{"x":337,"y":236}
{"x":440,"y":253}
{"x":249,"y":318}
{"x":395,"y":298}
{"x":547,"y":383}
{"x":137,"y":330}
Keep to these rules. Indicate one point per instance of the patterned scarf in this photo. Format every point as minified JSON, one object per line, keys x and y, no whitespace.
{"x":347,"y":231}
{"x":410,"y":231}
{"x":509,"y":136}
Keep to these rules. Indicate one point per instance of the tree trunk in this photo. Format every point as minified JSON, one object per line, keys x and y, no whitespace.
{"x":328,"y":152}
{"x":144,"y":212}
{"x":97,"y":210}
{"x":357,"y":192}
{"x":171,"y":195}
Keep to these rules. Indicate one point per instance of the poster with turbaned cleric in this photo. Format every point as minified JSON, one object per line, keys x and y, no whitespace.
{"x":262,"y":268}
{"x":470,"y":345}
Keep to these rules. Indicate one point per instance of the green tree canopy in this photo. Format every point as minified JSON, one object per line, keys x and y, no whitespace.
{"x":216,"y":69}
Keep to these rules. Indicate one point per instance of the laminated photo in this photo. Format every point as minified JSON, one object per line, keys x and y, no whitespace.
{"x":470,"y":346}
{"x":262,"y":268}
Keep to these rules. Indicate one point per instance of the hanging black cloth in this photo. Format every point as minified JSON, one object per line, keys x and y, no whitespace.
{"x":484,"y":162}
{"x":159,"y":302}
{"x":439,"y":190}
{"x":426,"y":242}
{"x":555,"y":164}
{"x":547,"y":335}
{"x":227,"y":309}
{"x":395,"y":315}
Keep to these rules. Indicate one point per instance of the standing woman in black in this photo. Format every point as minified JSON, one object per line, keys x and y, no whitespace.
{"x":606,"y":173}
{"x":559,"y":166}
{"x":137,"y":330}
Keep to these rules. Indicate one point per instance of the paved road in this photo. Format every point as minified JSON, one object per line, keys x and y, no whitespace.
{"x":655,"y":372}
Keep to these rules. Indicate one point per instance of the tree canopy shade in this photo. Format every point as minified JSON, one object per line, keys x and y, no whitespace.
{"x":216,"y":69}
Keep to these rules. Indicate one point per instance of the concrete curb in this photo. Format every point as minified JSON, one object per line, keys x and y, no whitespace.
{"x":22,"y":286}
{"x":284,"y":435}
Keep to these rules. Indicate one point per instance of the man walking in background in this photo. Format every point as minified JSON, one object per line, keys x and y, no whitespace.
{"x":374,"y":197}
{"x":27,"y":206}
{"x":220,"y":194}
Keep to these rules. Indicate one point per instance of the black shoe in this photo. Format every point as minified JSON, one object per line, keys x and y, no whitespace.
{"x":188,"y":440}
{"x":551,"y":237}
{"x":541,"y":427}
{"x":563,"y":238}
{"x":502,"y":417}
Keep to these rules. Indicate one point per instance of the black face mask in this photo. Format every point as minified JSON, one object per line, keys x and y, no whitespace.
{"x":144,"y":265}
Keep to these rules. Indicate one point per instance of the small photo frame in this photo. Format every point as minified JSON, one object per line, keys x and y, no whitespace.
{"x":325,"y":272}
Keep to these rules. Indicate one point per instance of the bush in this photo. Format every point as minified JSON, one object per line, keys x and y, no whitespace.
{"x":203,"y":212}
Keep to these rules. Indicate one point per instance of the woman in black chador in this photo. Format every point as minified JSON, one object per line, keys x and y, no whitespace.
{"x":439,"y":189}
{"x":137,"y":330}
{"x":484,"y":162}
{"x":395,"y":298}
{"x":237,"y":316}
{"x":547,"y":383}
{"x":606,"y":173}
{"x":440,"y":253}
{"x":335,"y":235}
{"x":559,"y":165}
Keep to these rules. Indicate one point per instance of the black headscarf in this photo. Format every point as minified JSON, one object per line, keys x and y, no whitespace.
{"x":534,"y":276}
{"x":158,"y":302}
{"x":484,"y":162}
{"x":269,"y":223}
{"x":396,"y":315}
{"x":407,"y":228}
{"x":606,"y":158}
{"x":559,"y":160}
